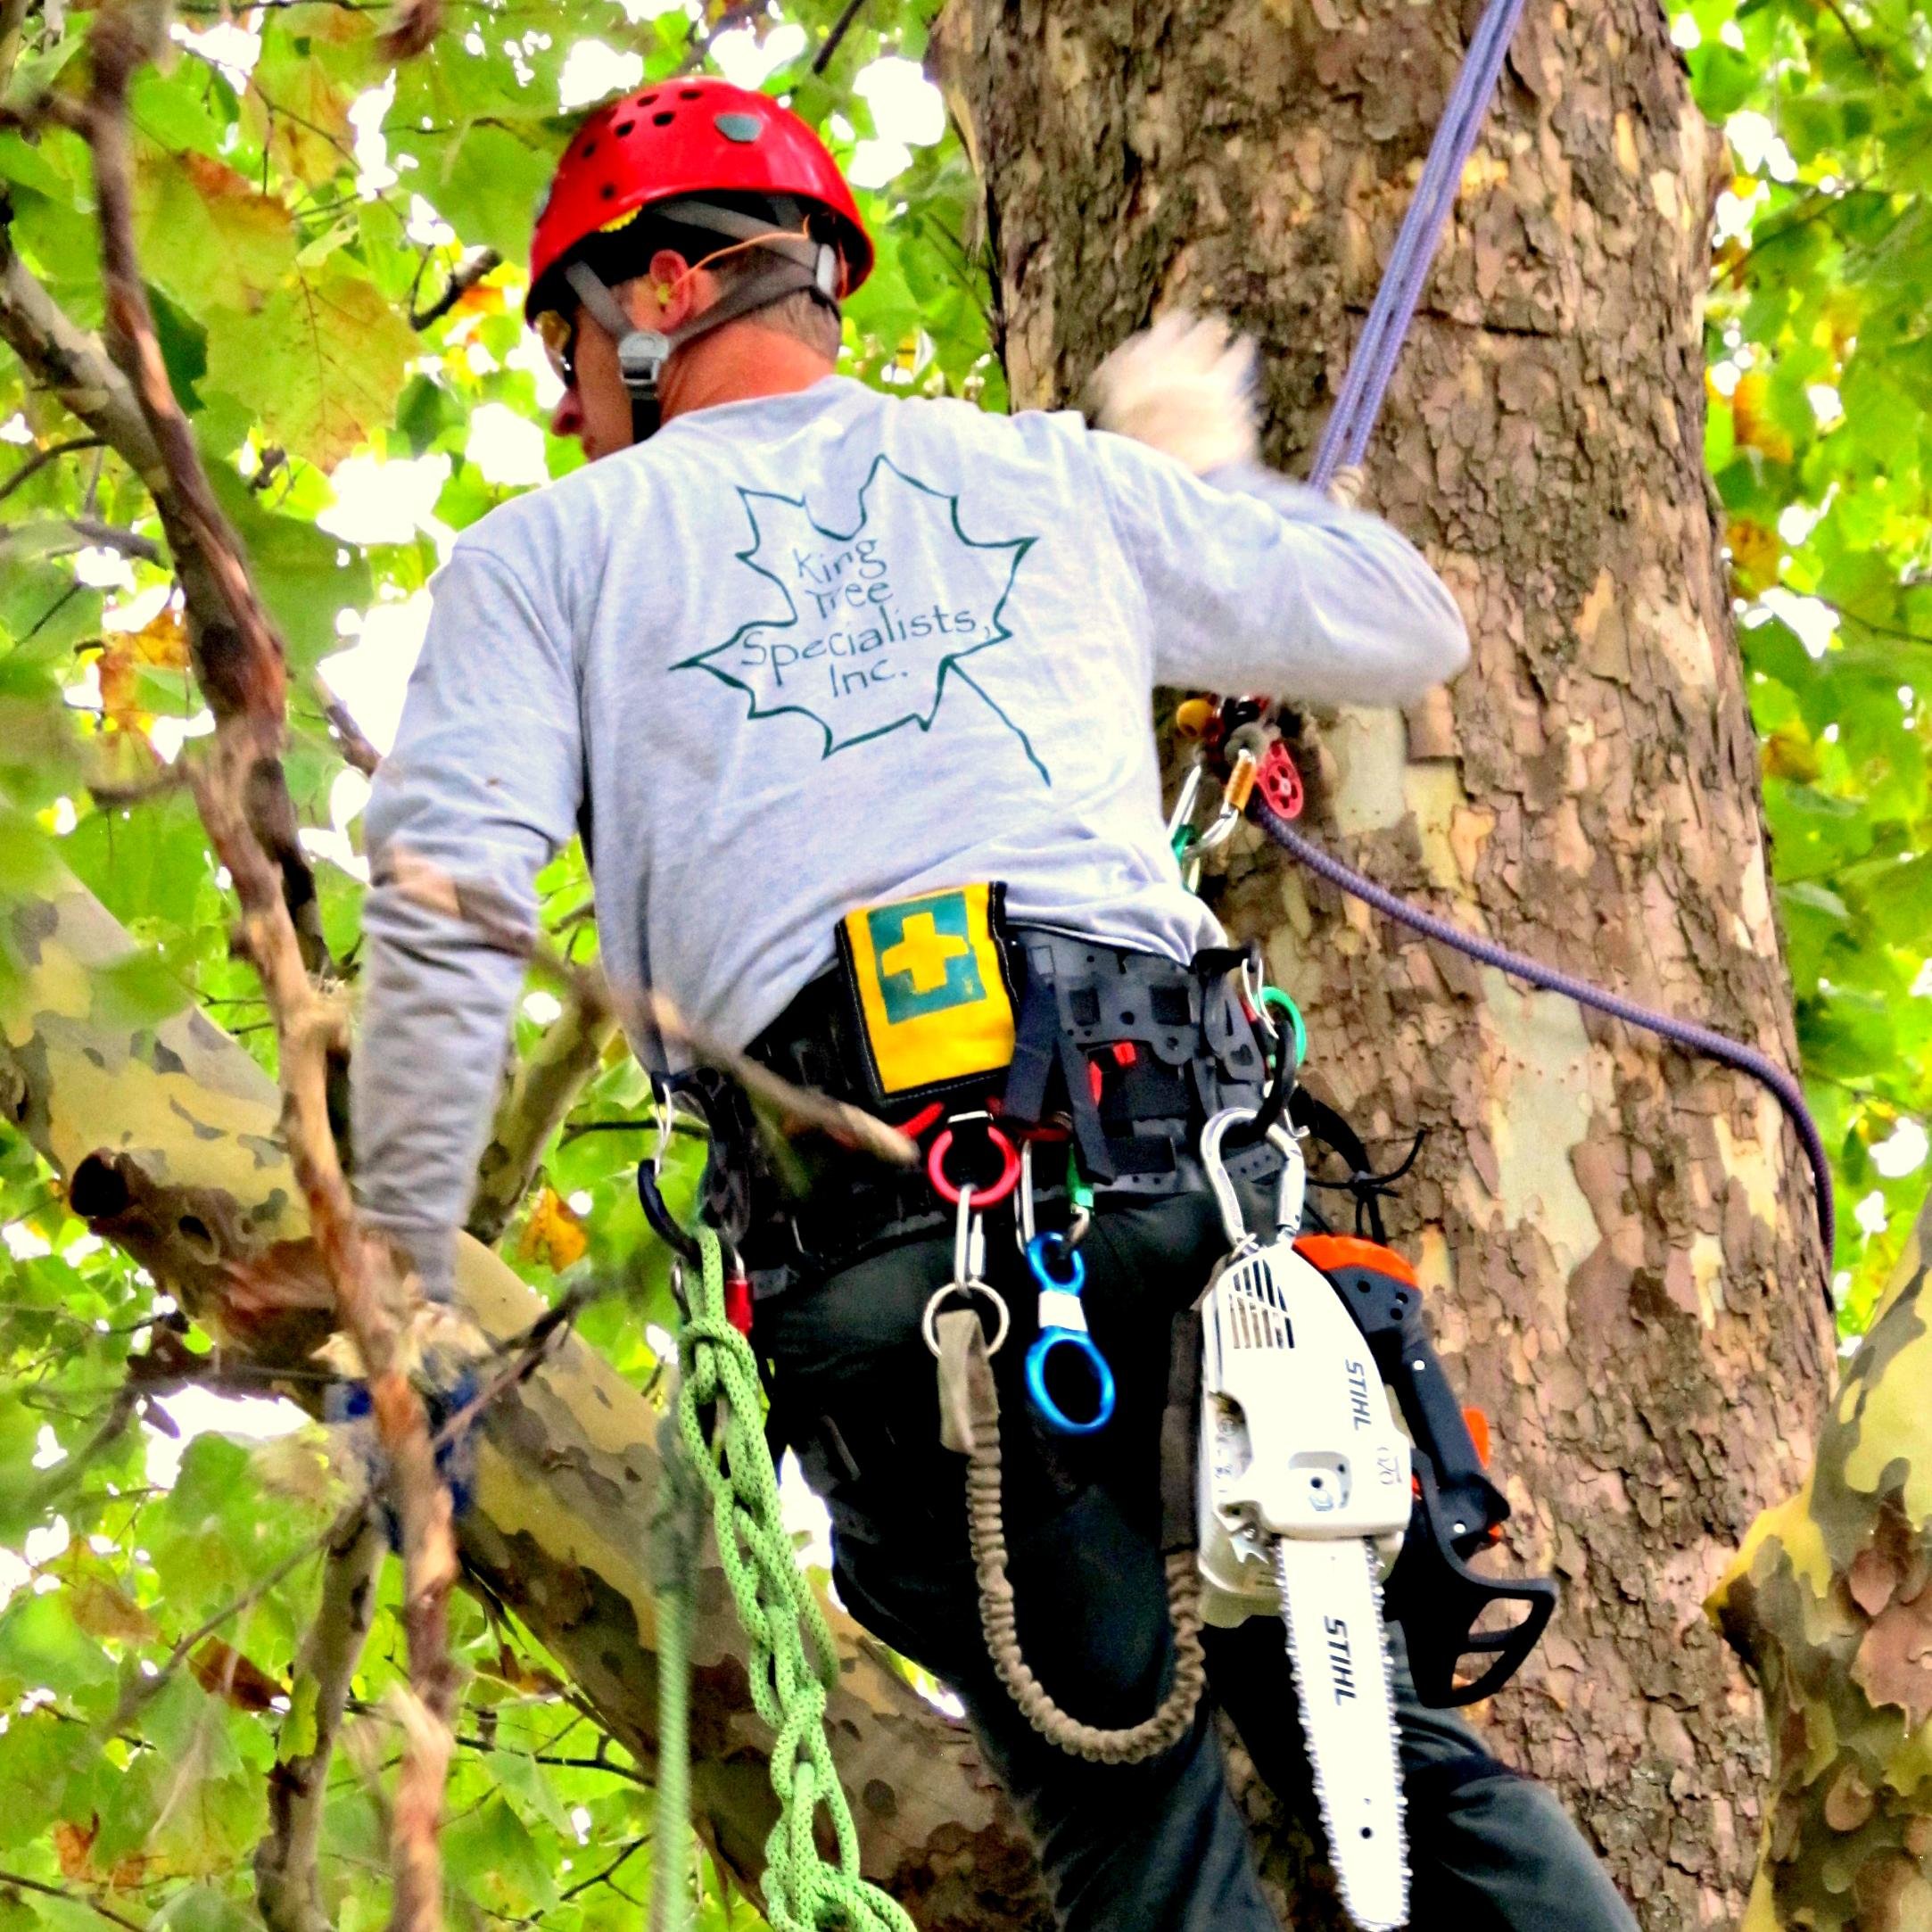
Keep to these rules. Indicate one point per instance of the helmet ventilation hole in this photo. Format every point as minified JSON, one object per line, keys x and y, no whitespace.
{"x":663,"y":119}
{"x":692,"y":94}
{"x":609,"y":191}
{"x":620,"y":131}
{"x":590,"y":148}
{"x":645,"y":100}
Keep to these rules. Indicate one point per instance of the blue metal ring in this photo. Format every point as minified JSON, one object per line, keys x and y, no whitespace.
{"x":1075,"y":1278}
{"x":1051,"y":1413}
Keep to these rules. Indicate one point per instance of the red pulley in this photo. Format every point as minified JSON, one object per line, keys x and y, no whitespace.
{"x":1278,"y":782}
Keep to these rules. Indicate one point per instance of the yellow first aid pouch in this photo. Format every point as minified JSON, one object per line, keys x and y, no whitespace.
{"x":933,"y":989}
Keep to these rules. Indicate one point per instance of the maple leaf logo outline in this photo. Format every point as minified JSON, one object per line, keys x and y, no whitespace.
{"x":949,"y":665}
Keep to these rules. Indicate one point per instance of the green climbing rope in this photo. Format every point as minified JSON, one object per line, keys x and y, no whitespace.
{"x":794,"y":1662}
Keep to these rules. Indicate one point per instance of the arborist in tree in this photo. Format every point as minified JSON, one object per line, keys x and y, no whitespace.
{"x":850,"y":697}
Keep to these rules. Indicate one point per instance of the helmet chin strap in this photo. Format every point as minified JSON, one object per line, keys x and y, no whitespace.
{"x":807,"y":267}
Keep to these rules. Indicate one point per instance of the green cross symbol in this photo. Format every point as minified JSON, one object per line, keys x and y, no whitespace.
{"x":925,"y":954}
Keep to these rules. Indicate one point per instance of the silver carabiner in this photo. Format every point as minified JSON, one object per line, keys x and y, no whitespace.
{"x":1181,"y":818}
{"x":1290,"y":1195}
{"x":1023,"y":1206}
{"x":969,"y":1268}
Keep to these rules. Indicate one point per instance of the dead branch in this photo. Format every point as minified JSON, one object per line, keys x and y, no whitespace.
{"x":40,"y":459}
{"x":647,"y":1014}
{"x":244,"y":806}
{"x":466,"y":275}
{"x":532,"y":1109}
{"x":65,"y":359}
{"x":285,"y":1862}
{"x":310,"y":1026}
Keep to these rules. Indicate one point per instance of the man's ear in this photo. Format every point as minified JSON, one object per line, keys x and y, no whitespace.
{"x":668,"y":284}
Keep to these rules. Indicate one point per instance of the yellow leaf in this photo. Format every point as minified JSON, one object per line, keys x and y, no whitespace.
{"x":1791,"y":753}
{"x":1755,"y":552}
{"x":552,"y":1234}
{"x":161,"y":645}
{"x":102,"y":1608}
{"x":1754,"y":430}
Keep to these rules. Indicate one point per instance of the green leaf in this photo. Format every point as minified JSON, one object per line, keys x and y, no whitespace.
{"x":489,"y":184}
{"x":203,"y":1908}
{"x":305,"y":576}
{"x":319,"y":363}
{"x":41,"y":1647}
{"x":491,"y":1855}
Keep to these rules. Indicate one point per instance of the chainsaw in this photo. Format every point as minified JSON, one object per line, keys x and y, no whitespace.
{"x":1311,"y":1492}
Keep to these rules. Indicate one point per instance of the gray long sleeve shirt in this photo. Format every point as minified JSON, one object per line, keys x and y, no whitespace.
{"x":805,"y":652}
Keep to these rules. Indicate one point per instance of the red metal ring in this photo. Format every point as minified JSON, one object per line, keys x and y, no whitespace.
{"x":1009,"y":1172}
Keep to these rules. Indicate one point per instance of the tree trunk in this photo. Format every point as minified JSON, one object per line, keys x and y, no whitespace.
{"x":1619,"y":1239}
{"x":167,"y":1137}
{"x":1830,"y":1603}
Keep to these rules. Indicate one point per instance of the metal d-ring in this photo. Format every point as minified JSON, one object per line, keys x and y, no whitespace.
{"x":929,"y":1323}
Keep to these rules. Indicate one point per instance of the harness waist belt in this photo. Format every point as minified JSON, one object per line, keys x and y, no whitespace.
{"x":1131,"y":1052}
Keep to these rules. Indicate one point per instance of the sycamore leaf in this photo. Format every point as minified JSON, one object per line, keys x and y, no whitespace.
{"x":319,"y":363}
{"x":224,"y":1672}
{"x":552,"y":1233}
{"x":207,"y":234}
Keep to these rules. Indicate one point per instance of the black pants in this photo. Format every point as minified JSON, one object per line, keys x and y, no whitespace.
{"x":1143,"y":1846}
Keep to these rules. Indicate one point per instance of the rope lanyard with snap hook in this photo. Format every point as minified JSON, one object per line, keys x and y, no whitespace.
{"x":970,"y":1425}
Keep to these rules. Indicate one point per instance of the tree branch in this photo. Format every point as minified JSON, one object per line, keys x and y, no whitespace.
{"x":841,"y":27}
{"x":40,"y":459}
{"x":463,"y":278}
{"x":285,"y":1862}
{"x":244,"y":806}
{"x":534,"y":1108}
{"x":56,"y":536}
{"x":356,"y":748}
{"x":207,"y":558}
{"x":13,"y":22}
{"x":63,"y":1891}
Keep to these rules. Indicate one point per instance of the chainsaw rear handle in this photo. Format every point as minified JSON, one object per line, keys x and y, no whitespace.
{"x":1433,"y":1593}
{"x":1439,"y":1600}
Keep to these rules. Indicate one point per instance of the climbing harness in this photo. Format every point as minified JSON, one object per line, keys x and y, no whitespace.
{"x":721,"y":1451}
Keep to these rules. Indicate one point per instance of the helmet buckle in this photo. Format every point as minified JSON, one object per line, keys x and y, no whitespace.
{"x":641,"y":355}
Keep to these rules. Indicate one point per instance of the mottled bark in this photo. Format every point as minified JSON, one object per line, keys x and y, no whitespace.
{"x":546,"y":1081}
{"x":1620,"y":1241}
{"x":1830,"y":1603}
{"x":167,"y":1138}
{"x":288,"y":1890}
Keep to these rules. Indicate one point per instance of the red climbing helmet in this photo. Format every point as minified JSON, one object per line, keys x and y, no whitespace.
{"x":694,"y":136}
